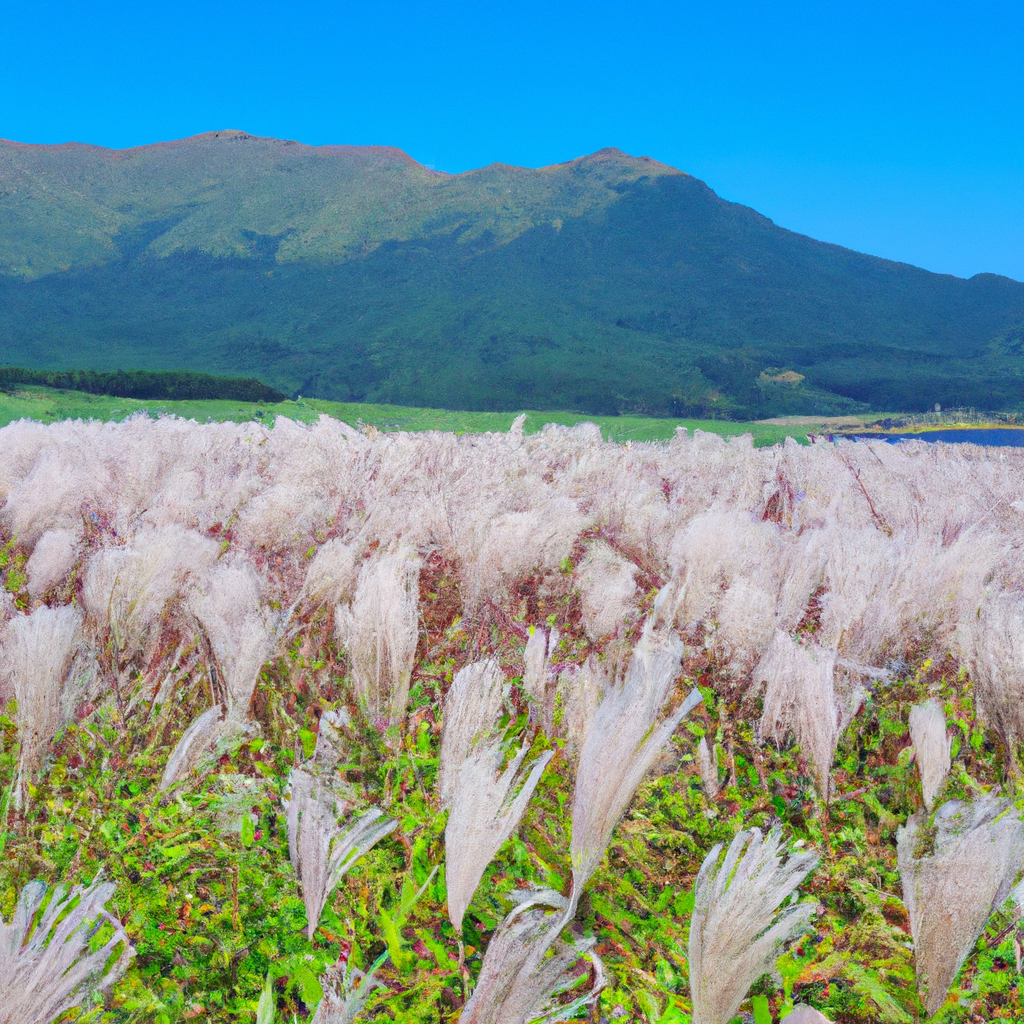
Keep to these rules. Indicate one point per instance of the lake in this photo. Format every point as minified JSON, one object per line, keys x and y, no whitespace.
{"x":997,"y":437}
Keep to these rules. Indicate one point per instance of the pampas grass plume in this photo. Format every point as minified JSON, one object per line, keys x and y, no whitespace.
{"x":951,"y":887}
{"x":737,"y":930}
{"x":932,"y":744}
{"x":49,"y":968}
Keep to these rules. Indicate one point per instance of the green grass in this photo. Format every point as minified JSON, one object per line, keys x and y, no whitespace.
{"x":48,"y":406}
{"x":613,"y":428}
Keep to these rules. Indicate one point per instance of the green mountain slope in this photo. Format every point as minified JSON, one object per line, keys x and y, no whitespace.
{"x":232,"y":194}
{"x":606,"y":284}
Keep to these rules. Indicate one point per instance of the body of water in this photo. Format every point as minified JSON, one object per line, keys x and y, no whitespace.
{"x":999,"y":437}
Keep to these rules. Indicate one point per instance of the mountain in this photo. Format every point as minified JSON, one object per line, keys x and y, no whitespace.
{"x":609,"y":283}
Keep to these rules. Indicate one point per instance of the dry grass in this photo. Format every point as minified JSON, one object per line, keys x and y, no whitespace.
{"x":169,"y":561}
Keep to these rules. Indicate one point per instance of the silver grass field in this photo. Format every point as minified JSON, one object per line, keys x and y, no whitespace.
{"x":547,"y":636}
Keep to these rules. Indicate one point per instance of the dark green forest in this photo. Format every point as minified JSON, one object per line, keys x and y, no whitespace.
{"x":165,"y":385}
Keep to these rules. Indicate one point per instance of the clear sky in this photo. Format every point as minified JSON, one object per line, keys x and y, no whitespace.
{"x":893,"y":128}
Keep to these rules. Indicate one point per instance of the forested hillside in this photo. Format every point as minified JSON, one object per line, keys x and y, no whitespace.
{"x":607,"y":284}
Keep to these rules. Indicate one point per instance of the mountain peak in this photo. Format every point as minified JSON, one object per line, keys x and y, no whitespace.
{"x":216,"y":191}
{"x":609,"y":282}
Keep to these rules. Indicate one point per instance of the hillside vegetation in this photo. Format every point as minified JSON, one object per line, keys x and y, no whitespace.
{"x":609,"y":284}
{"x":309,"y":723}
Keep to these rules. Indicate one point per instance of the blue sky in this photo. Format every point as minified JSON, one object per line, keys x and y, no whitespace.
{"x":896,"y":128}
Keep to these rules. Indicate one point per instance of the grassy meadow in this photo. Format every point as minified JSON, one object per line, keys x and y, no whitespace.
{"x":48,"y":406}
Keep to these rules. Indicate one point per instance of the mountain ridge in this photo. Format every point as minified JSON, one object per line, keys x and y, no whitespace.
{"x":605,"y":283}
{"x":124,"y":189}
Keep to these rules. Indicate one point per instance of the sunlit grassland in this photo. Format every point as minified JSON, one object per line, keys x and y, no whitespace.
{"x":48,"y":405}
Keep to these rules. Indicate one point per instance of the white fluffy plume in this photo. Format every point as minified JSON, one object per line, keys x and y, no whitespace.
{"x":608,"y":589}
{"x":128,"y":587}
{"x":52,"y":559}
{"x":623,"y":739}
{"x":932,"y":745}
{"x":517,"y":980}
{"x":345,"y":993}
{"x":801,"y":698}
{"x":538,"y":677}
{"x":579,"y":692}
{"x":485,"y":801}
{"x":804,"y":1014}
{"x":332,"y":574}
{"x":38,"y":655}
{"x":707,"y":763}
{"x":242,"y":631}
{"x":200,"y":735}
{"x":380,"y":631}
{"x":737,"y":931}
{"x":992,"y":638}
{"x":243,"y":634}
{"x":952,"y":884}
{"x":321,"y":847}
{"x":48,"y":969}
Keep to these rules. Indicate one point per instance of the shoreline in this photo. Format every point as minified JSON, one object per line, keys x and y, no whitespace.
{"x":929,"y":429}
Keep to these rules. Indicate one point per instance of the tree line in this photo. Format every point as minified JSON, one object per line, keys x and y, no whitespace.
{"x":168,"y":385}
